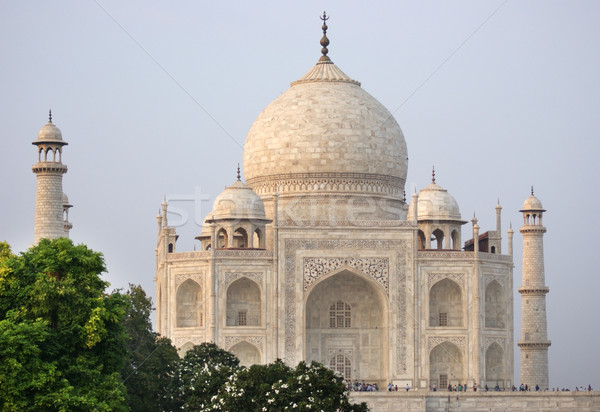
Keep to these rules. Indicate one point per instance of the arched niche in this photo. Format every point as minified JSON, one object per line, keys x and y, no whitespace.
{"x":240,"y":238}
{"x":455,"y":240}
{"x":345,"y":313}
{"x":222,"y":239}
{"x":446,"y":365}
{"x":243,"y":303}
{"x":494,"y":366}
{"x":184,"y":349}
{"x":247,"y":353}
{"x":342,"y":364}
{"x":446,"y":304}
{"x":495,"y":307}
{"x":189,"y":298}
{"x":421,"y":239}
{"x":437,"y":236}
{"x":258,"y":239}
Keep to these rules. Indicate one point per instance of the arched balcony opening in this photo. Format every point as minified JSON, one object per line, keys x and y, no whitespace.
{"x":455,"y":240}
{"x":222,"y":239}
{"x":421,"y":239}
{"x":438,"y":237}
{"x":240,"y":238}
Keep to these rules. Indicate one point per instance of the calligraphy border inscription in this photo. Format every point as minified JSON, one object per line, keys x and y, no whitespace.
{"x":292,"y":246}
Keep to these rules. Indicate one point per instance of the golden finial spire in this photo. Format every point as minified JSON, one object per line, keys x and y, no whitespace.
{"x":324,"y":40}
{"x":532,"y":190}
{"x":50,"y":116}
{"x":433,"y":174}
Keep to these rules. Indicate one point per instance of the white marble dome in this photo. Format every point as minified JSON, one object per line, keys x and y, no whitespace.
{"x":49,"y":133}
{"x":532,"y":203}
{"x":435,"y":203}
{"x":237,"y":201}
{"x":325,"y":126}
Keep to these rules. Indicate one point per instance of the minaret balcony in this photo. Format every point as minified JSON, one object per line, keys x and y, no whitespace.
{"x":49,"y":167}
{"x":533,"y":345}
{"x":534,"y":290}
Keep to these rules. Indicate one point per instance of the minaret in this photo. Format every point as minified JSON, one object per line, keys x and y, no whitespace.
{"x":49,"y":204}
{"x":534,"y":341}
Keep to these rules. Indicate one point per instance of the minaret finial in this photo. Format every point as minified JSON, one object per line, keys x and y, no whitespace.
{"x":50,"y":116}
{"x":324,"y":39}
{"x":238,"y":172}
{"x":433,"y":175}
{"x":531,"y":190}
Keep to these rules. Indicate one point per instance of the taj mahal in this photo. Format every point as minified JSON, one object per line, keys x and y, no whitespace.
{"x":318,"y":254}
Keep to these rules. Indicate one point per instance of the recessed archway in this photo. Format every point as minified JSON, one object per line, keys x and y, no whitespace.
{"x":495,"y":309}
{"x":243,"y":303}
{"x":345,"y":313}
{"x":494,"y":366}
{"x":189,"y":313}
{"x":446,"y":365}
{"x":445,"y":304}
{"x":247,"y":353}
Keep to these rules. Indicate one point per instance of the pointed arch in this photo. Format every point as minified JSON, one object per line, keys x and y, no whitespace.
{"x":438,"y":237}
{"x":494,"y":366}
{"x":495,"y":306}
{"x":184,"y":349}
{"x":188,"y":303}
{"x":446,"y":304}
{"x":258,"y":239}
{"x":446,"y":365}
{"x":342,"y":365}
{"x":345,"y":314}
{"x":222,"y":238}
{"x":240,"y":238}
{"x":244,"y":303}
{"x":421,"y":239}
{"x":247,"y":353}
{"x":455,"y":240}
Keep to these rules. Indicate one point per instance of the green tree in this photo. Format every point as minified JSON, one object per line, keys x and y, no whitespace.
{"x":150,"y":359}
{"x":199,"y":375}
{"x":277,"y":387}
{"x":61,"y":330}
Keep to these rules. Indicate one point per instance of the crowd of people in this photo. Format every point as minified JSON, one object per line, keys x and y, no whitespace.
{"x":357,"y":386}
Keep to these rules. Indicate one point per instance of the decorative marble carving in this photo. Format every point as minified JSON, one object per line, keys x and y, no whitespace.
{"x":316,"y":267}
{"x":323,"y":181}
{"x":179,"y":342}
{"x":348,"y":352}
{"x":498,"y":278}
{"x":182,"y":277}
{"x":449,"y":254}
{"x":292,"y":246}
{"x":233,"y":276}
{"x":433,"y":341}
{"x":254,"y":340}
{"x":434,"y":278}
{"x":491,"y":339}
{"x":246,"y":253}
{"x":351,"y":223}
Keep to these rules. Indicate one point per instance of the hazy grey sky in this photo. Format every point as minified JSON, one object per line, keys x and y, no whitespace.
{"x":156,"y":99}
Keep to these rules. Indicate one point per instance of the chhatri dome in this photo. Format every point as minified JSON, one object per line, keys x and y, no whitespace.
{"x":50,"y":133}
{"x":237,"y":201}
{"x":435,"y":203}
{"x":326,"y":134}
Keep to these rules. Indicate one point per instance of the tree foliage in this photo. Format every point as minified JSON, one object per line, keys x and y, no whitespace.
{"x":60,"y":331}
{"x":277,"y":387}
{"x":199,"y":375}
{"x":150,"y":359}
